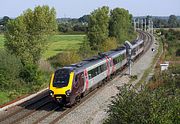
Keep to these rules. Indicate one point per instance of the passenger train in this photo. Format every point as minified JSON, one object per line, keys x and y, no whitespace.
{"x":69,"y":84}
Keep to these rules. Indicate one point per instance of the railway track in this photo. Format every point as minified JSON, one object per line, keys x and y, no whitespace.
{"x":44,"y":110}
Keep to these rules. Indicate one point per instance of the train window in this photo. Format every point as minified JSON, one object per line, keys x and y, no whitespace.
{"x":103,"y":67}
{"x":90,"y":74}
{"x":96,"y":71}
{"x":99,"y":69}
{"x":119,"y":59}
{"x":61,"y":78}
{"x":141,"y":45}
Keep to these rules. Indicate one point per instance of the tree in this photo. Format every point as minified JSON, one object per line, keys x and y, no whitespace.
{"x":65,"y":58}
{"x":4,"y":20}
{"x":119,"y":25}
{"x":84,"y":18}
{"x":98,"y":27}
{"x":27,"y":34}
{"x":10,"y":67}
{"x":85,"y":49}
{"x":172,"y":21}
{"x":109,"y":44}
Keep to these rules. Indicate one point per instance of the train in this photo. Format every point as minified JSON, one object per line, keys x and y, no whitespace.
{"x":69,"y":84}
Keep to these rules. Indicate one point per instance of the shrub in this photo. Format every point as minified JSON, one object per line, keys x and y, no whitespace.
{"x":158,"y":105}
{"x":10,"y":68}
{"x":65,"y":58}
{"x":85,"y":49}
{"x":108,"y":44}
{"x":30,"y":73}
{"x":44,"y":66}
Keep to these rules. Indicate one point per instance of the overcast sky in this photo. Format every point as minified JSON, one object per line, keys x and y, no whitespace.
{"x":78,"y":8}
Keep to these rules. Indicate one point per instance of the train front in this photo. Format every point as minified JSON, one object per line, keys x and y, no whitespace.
{"x":61,"y":85}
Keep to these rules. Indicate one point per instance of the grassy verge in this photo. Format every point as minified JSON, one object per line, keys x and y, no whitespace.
{"x":148,"y":70}
{"x":4,"y":98}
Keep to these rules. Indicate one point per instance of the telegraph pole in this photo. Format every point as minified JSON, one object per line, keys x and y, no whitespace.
{"x":149,"y":26}
{"x":129,"y":53}
{"x":134,"y":25}
{"x":145,"y":24}
{"x":138,"y":24}
{"x":152,"y":27}
{"x":142,"y":24}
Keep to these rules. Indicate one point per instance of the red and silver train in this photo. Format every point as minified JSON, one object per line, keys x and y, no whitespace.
{"x":70,"y":83}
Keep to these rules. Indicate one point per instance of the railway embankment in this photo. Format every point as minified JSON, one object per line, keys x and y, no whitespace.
{"x":94,"y":110}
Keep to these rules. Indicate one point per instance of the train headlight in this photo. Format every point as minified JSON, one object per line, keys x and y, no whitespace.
{"x":68,"y":92}
{"x":51,"y":92}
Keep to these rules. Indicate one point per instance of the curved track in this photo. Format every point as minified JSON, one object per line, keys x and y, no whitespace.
{"x":44,"y":110}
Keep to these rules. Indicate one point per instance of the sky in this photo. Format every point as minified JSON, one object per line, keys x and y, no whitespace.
{"x":78,"y":8}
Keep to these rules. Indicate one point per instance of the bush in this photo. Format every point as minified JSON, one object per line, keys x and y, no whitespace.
{"x":30,"y":73}
{"x":158,"y":105}
{"x":10,"y":68}
{"x":45,"y":66}
{"x":109,"y":44}
{"x":65,"y":58}
{"x":85,"y":49}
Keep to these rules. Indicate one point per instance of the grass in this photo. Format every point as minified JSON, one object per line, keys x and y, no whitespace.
{"x":3,"y":98}
{"x":148,"y":70}
{"x":2,"y":41}
{"x":57,"y":44}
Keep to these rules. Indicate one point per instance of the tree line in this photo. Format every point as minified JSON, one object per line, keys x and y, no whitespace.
{"x":171,"y":22}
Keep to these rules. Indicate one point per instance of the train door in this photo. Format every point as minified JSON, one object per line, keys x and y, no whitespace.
{"x":78,"y":84}
{"x":108,"y":67}
{"x":86,"y":80}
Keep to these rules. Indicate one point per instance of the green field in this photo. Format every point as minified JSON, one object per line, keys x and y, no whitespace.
{"x":57,"y":43}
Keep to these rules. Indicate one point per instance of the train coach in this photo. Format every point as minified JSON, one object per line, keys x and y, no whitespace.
{"x":69,"y":84}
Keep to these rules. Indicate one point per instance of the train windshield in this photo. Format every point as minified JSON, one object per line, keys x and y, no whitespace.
{"x":61,"y":78}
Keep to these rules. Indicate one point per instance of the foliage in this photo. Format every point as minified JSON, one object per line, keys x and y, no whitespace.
{"x":166,"y":22}
{"x":11,"y":73}
{"x":68,"y":25}
{"x":1,"y":41}
{"x":119,"y":25}
{"x":98,"y":27}
{"x":30,"y":73}
{"x":160,"y":105}
{"x":64,"y":58}
{"x":109,"y":44}
{"x":65,"y":27}
{"x":10,"y":68}
{"x":84,"y":19}
{"x":3,"y":23}
{"x":172,"y":42}
{"x":85,"y":49}
{"x":172,"y":21}
{"x":26,"y":35}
